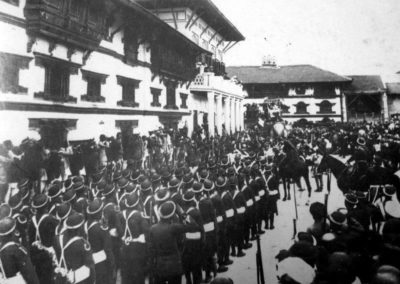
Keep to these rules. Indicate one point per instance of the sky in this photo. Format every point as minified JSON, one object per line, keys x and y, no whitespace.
{"x":347,"y":37}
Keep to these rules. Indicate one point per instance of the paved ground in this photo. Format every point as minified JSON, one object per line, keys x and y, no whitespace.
{"x":243,"y":270}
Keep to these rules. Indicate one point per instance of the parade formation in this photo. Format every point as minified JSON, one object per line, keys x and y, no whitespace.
{"x":194,"y":209}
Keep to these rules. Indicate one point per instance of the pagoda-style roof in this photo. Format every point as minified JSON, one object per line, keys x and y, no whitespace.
{"x":365,"y":84}
{"x":207,"y":11}
{"x":288,"y":74}
{"x":165,"y":30}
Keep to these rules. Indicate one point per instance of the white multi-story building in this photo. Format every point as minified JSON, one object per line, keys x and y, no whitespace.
{"x":76,"y":69}
{"x":216,"y":100}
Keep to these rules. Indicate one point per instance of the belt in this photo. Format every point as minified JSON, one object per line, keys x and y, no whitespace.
{"x":273,"y":192}
{"x":193,"y":236}
{"x":209,"y":227}
{"x":82,"y":273}
{"x":99,"y":256}
{"x":220,"y":219}
{"x":262,"y":192}
{"x":229,"y":213}
{"x":258,"y":198}
{"x":113,"y":232}
{"x":249,"y":202}
{"x":241,"y":210}
{"x":141,"y":239}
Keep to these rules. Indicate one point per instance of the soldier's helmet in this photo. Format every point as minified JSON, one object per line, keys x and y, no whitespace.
{"x":7,"y":226}
{"x":145,"y":185}
{"x":132,"y":200}
{"x":167,"y":210}
{"x":197,"y":187}
{"x":162,"y":195}
{"x":74,"y":221}
{"x":39,"y":201}
{"x":95,"y":206}
{"x":220,"y":182}
{"x":208,"y":185}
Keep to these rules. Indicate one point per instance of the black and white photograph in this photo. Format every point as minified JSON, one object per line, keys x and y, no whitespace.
{"x":199,"y":141}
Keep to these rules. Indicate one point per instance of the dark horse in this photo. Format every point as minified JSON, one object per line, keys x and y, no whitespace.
{"x":348,"y":177}
{"x":292,"y":170}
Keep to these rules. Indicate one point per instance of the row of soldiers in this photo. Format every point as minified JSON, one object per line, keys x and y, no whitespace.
{"x":183,"y":220}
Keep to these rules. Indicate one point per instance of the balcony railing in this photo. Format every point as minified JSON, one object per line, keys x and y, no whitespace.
{"x":208,"y":80}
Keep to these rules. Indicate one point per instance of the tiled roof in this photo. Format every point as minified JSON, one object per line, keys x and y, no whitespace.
{"x":365,"y":84}
{"x":393,"y":88}
{"x":283,"y":74}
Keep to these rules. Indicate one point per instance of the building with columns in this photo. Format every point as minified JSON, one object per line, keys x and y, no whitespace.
{"x":216,"y":101}
{"x":304,"y":92}
{"x":74,"y":69}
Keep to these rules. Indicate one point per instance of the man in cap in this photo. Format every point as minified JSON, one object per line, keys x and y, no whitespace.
{"x":230,"y":209}
{"x":240,"y":205}
{"x":208,"y":214}
{"x":16,"y":266}
{"x":41,"y":232}
{"x":100,"y":242}
{"x":111,"y":212}
{"x":221,"y":224}
{"x":74,"y":255}
{"x":147,"y":199}
{"x":193,"y":242}
{"x":134,"y":255}
{"x":163,"y":245}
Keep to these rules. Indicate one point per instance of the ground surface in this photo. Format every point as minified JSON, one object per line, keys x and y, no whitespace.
{"x":244,"y":270}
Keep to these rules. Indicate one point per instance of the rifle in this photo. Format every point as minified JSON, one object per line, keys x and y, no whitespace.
{"x":294,"y":229}
{"x":260,"y":268}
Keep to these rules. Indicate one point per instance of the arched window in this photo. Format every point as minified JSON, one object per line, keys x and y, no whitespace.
{"x":325,"y":107}
{"x":301,"y":108}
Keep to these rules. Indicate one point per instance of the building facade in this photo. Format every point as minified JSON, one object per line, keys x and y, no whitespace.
{"x":216,"y":101}
{"x":303,"y":91}
{"x":366,"y":99}
{"x":80,"y":68}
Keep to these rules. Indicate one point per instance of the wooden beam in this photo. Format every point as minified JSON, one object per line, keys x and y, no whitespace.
{"x":205,"y":29}
{"x":353,"y":100}
{"x":174,"y":17}
{"x":196,"y":19}
{"x":229,"y":43}
{"x":215,"y":34}
{"x":226,"y":49}
{"x":220,"y":42}
{"x":190,"y":19}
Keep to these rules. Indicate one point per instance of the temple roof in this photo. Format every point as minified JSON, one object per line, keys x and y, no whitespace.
{"x":365,"y":84}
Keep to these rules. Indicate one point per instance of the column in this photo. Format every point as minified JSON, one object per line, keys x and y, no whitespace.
{"x":219,"y":121}
{"x":211,"y":111}
{"x":227,"y":114}
{"x":237,"y":105}
{"x":344,"y":107}
{"x":385,"y":107}
{"x":241,"y":113}
{"x":233,"y":115}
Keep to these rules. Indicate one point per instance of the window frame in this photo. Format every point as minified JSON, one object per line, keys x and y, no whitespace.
{"x":92,"y":77}
{"x":128,"y":96}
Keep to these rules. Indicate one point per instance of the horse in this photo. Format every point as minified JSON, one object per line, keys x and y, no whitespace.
{"x":348,"y":177}
{"x":292,"y":170}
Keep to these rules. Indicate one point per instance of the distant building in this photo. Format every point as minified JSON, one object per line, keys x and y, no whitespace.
{"x":304,"y":91}
{"x":393,"y":93}
{"x":366,"y":98}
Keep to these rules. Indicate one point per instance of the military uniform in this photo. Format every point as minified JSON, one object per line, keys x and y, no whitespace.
{"x":163,"y":245}
{"x":134,"y":255}
{"x":16,"y":265}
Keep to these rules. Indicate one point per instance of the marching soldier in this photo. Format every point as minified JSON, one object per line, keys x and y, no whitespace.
{"x":110,"y":214}
{"x":74,"y":256}
{"x":100,"y":242}
{"x":41,"y":232}
{"x":194,"y":241}
{"x":207,"y":212}
{"x":16,"y":266}
{"x":249,"y":215}
{"x":229,"y":206}
{"x":240,"y":204}
{"x":163,"y":245}
{"x":134,"y":255}
{"x":221,"y":226}
{"x":146,"y":197}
